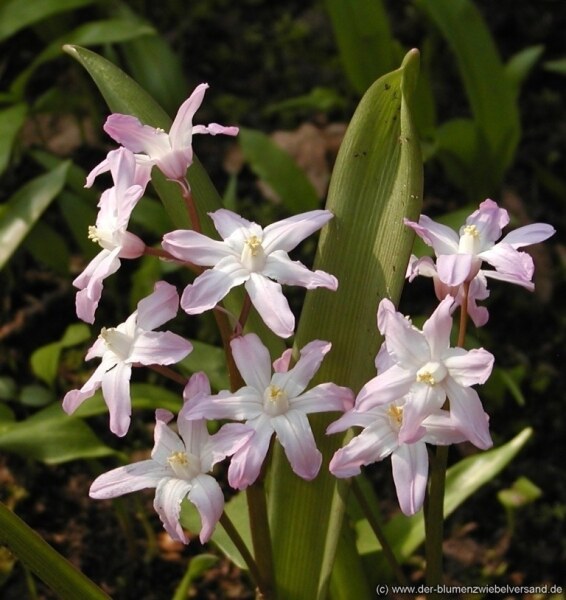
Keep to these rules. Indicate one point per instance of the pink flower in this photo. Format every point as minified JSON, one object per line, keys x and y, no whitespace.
{"x":132,"y":342}
{"x":172,"y":152}
{"x":274,"y":403}
{"x":380,"y":438}
{"x":477,"y":289}
{"x":459,"y":257}
{"x":178,"y":468}
{"x":116,"y":205}
{"x":422,"y":368}
{"x":252,"y":256}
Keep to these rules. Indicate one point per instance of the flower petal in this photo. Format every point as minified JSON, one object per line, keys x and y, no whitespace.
{"x":295,"y":435}
{"x":505,"y":259}
{"x":159,"y":348}
{"x":75,"y":398}
{"x":229,"y":224}
{"x":286,"y":234}
{"x":229,"y":439}
{"x":166,"y":441}
{"x":271,"y":304}
{"x":130,"y":478}
{"x":195,"y":248}
{"x":353,"y":418}
{"x":136,"y":137}
{"x":246,"y":463}
{"x":288,"y":272}
{"x":182,"y":127}
{"x":246,"y":403}
{"x":469,"y":367}
{"x":387,"y":387}
{"x":167,"y":503}
{"x":443,"y":239}
{"x":253,"y":361}
{"x":116,"y":392}
{"x":207,"y":496}
{"x":324,"y":397}
{"x":529,"y":234}
{"x":423,"y":400}
{"x":159,"y":307}
{"x":211,"y":286}
{"x":454,"y":269}
{"x":409,"y":464}
{"x":437,"y":328}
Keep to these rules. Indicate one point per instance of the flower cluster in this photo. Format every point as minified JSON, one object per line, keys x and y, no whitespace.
{"x":422,"y":394}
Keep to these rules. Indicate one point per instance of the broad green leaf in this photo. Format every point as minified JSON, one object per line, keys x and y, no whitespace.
{"x":277,"y":168}
{"x":210,"y":359}
{"x":53,"y":437}
{"x":462,"y":480}
{"x":522,"y":492}
{"x":11,"y":121}
{"x":319,"y":99}
{"x":367,"y":48}
{"x":17,"y":14}
{"x":93,"y":33}
{"x":377,"y":181}
{"x":8,"y":388}
{"x":26,"y":207}
{"x":491,"y":96}
{"x":45,"y":360}
{"x":49,"y":247}
{"x":556,"y":66}
{"x":36,"y":395}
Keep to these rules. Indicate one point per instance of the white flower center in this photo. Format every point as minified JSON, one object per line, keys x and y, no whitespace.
{"x":432,"y":373}
{"x":253,"y":255}
{"x":275,"y":401}
{"x":469,"y":240}
{"x":106,"y":238}
{"x":395,"y":414}
{"x":117,"y":342}
{"x":184,"y":464}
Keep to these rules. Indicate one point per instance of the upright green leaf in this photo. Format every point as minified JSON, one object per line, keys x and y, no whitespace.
{"x":17,"y":14}
{"x":26,"y":207}
{"x":11,"y":121}
{"x":363,"y":34}
{"x":376,"y":182}
{"x":278,"y":169}
{"x":491,"y":95}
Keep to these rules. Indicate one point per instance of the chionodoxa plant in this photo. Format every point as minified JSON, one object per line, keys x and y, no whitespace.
{"x":360,"y":383}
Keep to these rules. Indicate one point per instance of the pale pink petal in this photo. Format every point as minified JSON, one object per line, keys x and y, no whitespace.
{"x":75,"y":398}
{"x":509,"y":278}
{"x":281,"y":364}
{"x":324,"y":397}
{"x":246,"y":463}
{"x":438,"y":327}
{"x":441,"y":431}
{"x":197,"y":384}
{"x":387,"y":387}
{"x":102,"y":167}
{"x":443,"y":239}
{"x":216,"y":129}
{"x":211,"y":286}
{"x":131,"y":246}
{"x":130,"y":478}
{"x":182,"y":127}
{"x":423,"y":401}
{"x":454,"y":269}
{"x":489,"y":220}
{"x":509,"y":261}
{"x":271,"y":304}
{"x":295,"y":381}
{"x":286,"y":234}
{"x":409,"y":464}
{"x":116,"y":392}
{"x":246,"y":403}
{"x":371,"y":445}
{"x":529,"y":234}
{"x":295,"y":435}
{"x":168,"y":497}
{"x":159,"y":348}
{"x":135,"y":136}
{"x":166,"y":441}
{"x":253,"y":361}
{"x":420,"y":266}
{"x":468,"y":414}
{"x":469,"y":367}
{"x":228,"y":223}
{"x":195,"y":248}
{"x":289,"y":272}
{"x":229,"y":439}
{"x":352,"y":418}
{"x":207,"y":496}
{"x":159,"y":307}
{"x":175,"y":163}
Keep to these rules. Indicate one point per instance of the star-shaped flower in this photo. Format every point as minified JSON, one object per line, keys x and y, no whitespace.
{"x":274,"y":403}
{"x":178,"y":468}
{"x":251,"y":255}
{"x":132,"y":342}
{"x":172,"y":152}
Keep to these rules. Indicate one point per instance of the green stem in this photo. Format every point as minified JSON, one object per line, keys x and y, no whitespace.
{"x":434,"y":508}
{"x":41,"y":558}
{"x":379,"y":533}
